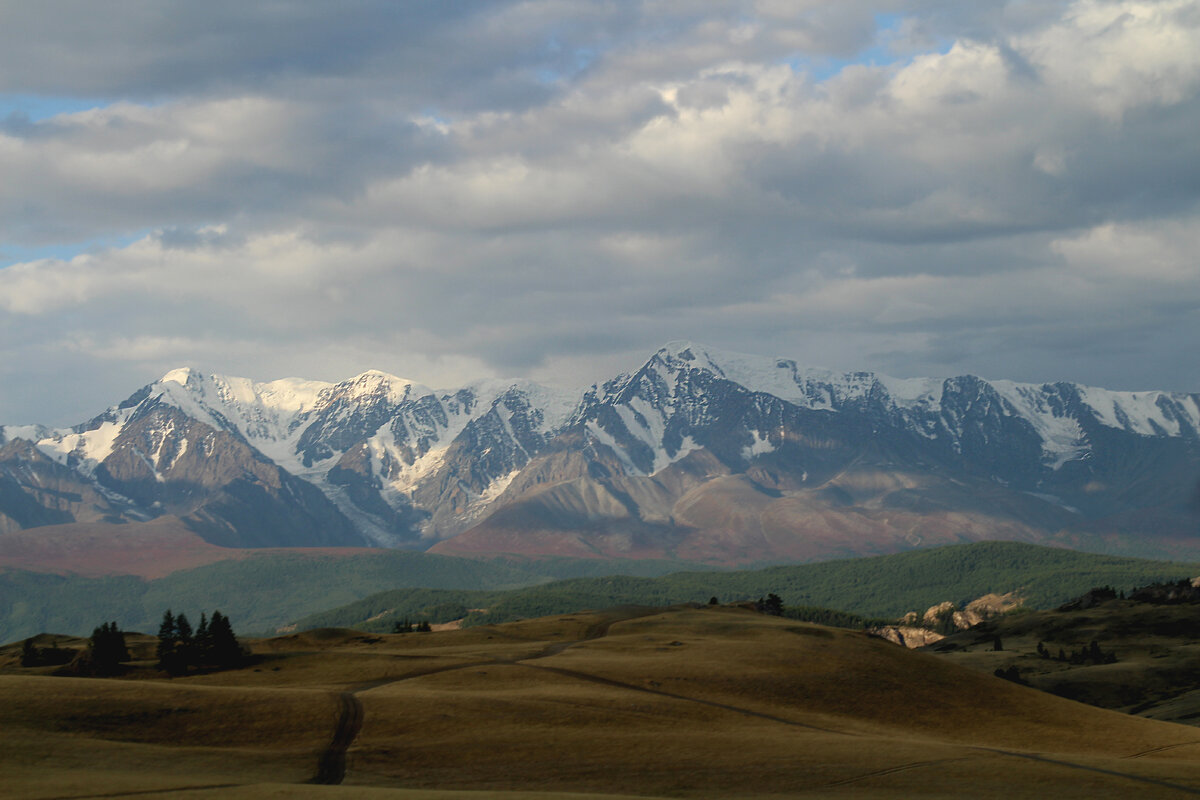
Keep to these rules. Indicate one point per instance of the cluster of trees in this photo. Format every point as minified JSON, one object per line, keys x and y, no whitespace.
{"x":831,"y":617}
{"x":406,"y":626}
{"x":104,"y":656}
{"x":772,"y":604}
{"x":1011,"y":674}
{"x":1092,"y":654}
{"x":1167,"y":593}
{"x":34,"y":656}
{"x":105,"y":653}
{"x":211,"y":644}
{"x":107,"y":649}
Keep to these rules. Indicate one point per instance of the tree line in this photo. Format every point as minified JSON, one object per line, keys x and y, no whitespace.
{"x":211,"y":645}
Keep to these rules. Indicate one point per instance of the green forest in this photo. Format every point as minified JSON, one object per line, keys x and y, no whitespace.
{"x":849,"y":591}
{"x":265,"y":592}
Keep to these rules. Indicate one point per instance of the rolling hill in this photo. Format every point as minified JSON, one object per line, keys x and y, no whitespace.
{"x":630,"y":702}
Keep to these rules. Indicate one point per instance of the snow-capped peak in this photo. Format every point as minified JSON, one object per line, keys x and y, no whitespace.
{"x":811,"y":387}
{"x":920,"y":400}
{"x":180,"y":375}
{"x":376,"y":383}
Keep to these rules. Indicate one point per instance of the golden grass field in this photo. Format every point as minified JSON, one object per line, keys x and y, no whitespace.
{"x":684,"y":702}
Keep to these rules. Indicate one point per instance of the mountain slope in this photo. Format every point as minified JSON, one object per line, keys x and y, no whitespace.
{"x":733,"y":458}
{"x":697,"y":455}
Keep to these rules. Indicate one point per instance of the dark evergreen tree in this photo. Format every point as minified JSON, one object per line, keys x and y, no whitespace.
{"x":185,"y":644}
{"x":183,"y":629}
{"x":225,"y":650}
{"x":175,"y":644}
{"x":30,"y":657}
{"x":168,"y":635}
{"x":424,"y":627}
{"x":772,"y":605}
{"x":1011,"y":674}
{"x":107,"y":649}
{"x":712,"y":601}
{"x":202,"y":647}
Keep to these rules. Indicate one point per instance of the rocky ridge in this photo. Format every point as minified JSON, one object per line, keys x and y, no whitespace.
{"x":697,"y":454}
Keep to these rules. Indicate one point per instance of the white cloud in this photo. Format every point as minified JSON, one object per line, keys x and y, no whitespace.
{"x":1116,"y":56}
{"x":573,"y":180}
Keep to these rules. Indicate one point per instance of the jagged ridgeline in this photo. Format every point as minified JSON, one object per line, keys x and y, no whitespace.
{"x":698,"y":455}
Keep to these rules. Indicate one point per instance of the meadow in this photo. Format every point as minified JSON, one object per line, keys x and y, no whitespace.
{"x":633,"y":701}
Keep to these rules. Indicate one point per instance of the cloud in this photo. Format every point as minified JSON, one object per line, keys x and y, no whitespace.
{"x":552,"y":187}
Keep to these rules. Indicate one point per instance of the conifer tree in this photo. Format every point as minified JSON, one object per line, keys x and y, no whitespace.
{"x":203,"y":645}
{"x":108,"y":648}
{"x":184,"y":629}
{"x":772,"y":605}
{"x":30,"y":657}
{"x":185,"y":644}
{"x":168,"y":635}
{"x":226,"y":651}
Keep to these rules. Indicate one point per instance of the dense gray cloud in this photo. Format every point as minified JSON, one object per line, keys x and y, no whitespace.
{"x":449,"y":190}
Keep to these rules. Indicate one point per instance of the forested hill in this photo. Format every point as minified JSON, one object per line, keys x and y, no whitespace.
{"x":265,"y":590}
{"x":878,"y":587}
{"x":372,"y":592}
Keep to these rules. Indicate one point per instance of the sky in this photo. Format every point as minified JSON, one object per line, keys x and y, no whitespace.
{"x":553,"y":189}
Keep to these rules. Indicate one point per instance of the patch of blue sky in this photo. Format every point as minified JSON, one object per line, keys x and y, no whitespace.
{"x":434,"y":114}
{"x":882,"y":52}
{"x":563,"y":64}
{"x":38,"y":107}
{"x":19,"y":254}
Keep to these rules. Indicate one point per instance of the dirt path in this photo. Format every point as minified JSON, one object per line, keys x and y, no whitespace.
{"x":332,"y":766}
{"x":1072,"y":765}
{"x":584,"y":676}
{"x":1161,"y":749}
{"x":891,"y":771}
{"x":331,"y":769}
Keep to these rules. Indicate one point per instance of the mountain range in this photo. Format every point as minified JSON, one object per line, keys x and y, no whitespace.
{"x":698,"y":455}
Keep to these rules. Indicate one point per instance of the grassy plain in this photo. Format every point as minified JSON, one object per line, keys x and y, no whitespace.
{"x":682,"y":702}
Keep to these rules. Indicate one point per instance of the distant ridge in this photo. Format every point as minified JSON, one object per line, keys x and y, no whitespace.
{"x":880,"y":587}
{"x":373,"y":590}
{"x":699,"y":455}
